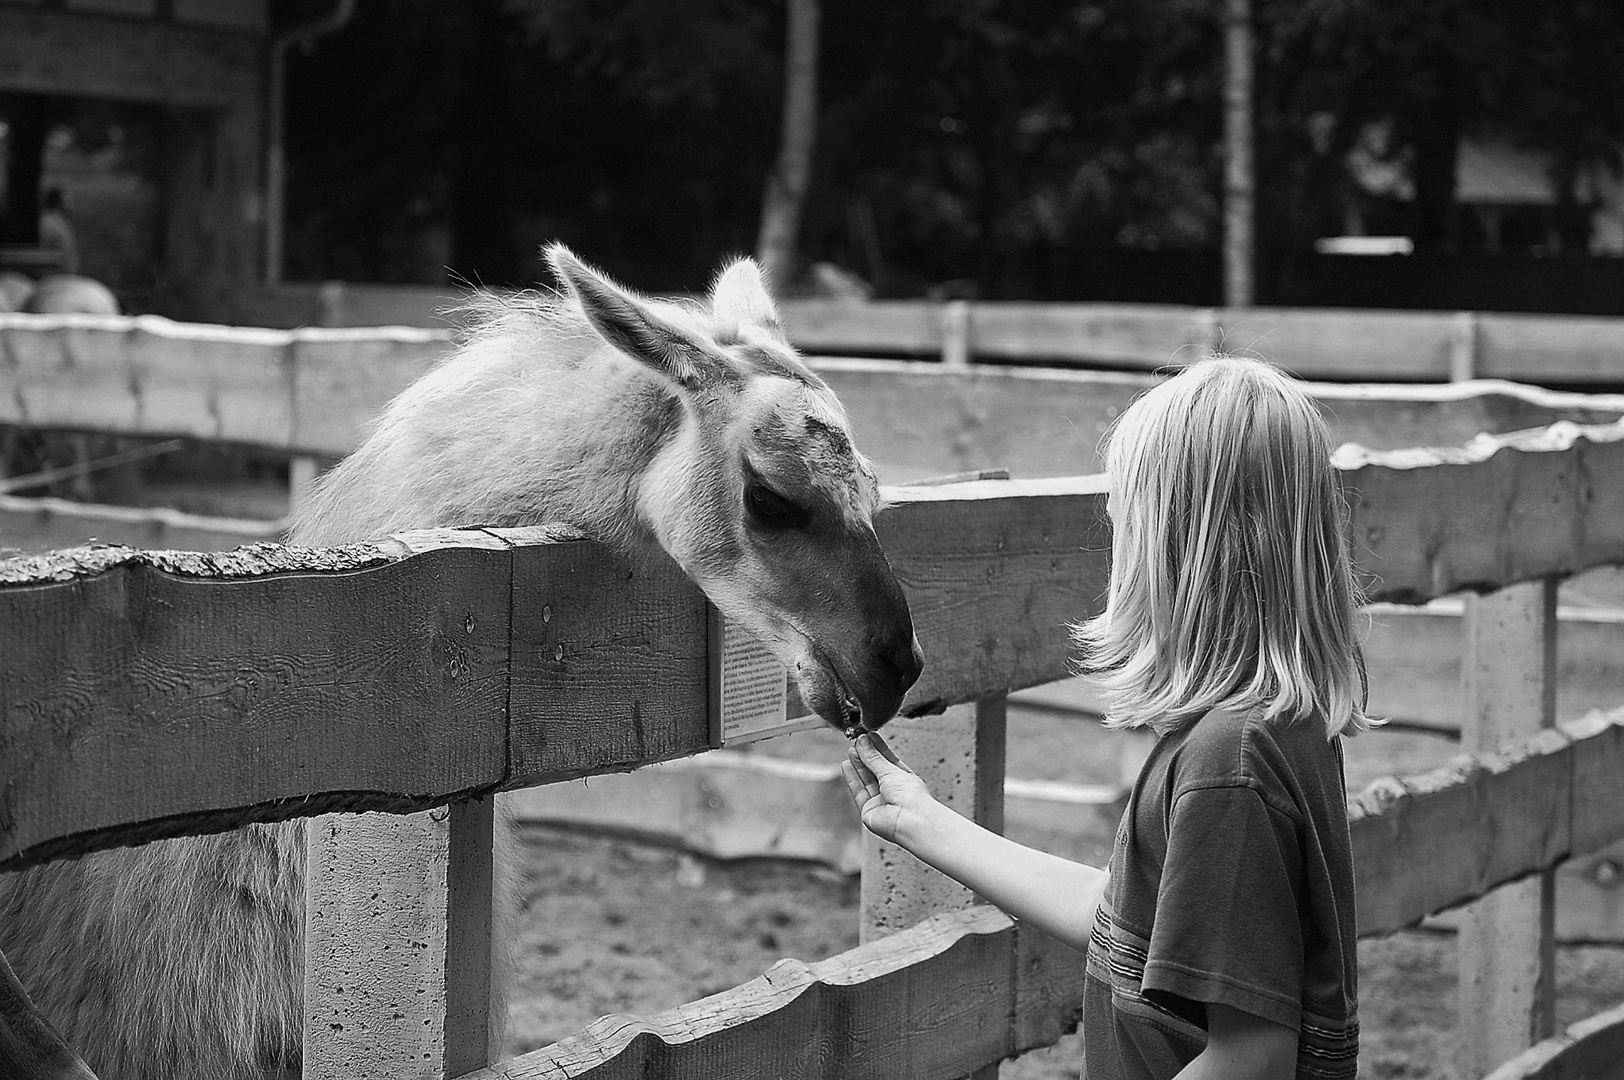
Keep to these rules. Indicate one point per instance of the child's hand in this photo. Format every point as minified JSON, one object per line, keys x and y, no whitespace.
{"x":888,"y":795}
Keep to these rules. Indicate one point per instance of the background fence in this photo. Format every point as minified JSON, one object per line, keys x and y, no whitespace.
{"x":1316,"y":343}
{"x":151,"y":694}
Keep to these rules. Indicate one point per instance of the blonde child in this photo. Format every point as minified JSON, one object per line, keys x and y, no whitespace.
{"x":1220,"y":938}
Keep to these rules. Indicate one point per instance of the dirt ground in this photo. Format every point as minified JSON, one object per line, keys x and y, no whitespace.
{"x":616,"y":926}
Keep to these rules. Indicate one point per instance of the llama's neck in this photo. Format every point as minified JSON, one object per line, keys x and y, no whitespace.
{"x":499,"y":438}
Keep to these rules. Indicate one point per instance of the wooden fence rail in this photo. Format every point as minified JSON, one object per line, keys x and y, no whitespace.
{"x":120,"y":664}
{"x":314,"y":391}
{"x":1323,"y":343}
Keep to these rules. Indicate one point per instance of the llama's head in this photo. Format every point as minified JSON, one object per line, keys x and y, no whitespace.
{"x":758,"y":493}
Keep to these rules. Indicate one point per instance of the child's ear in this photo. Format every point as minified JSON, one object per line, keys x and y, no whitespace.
{"x":634,"y":327}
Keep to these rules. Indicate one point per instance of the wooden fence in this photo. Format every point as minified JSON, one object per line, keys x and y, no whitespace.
{"x":156,"y":694}
{"x":1317,"y":343}
{"x":308,"y":393}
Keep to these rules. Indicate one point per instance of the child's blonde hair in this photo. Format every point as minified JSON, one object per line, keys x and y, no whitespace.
{"x":1231,"y":583}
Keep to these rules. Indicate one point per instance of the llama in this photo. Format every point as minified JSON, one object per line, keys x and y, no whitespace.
{"x":687,"y":431}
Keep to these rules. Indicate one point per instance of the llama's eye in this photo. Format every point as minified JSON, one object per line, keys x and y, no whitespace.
{"x":771,"y":509}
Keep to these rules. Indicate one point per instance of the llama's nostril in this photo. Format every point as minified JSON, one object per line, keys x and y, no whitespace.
{"x":906,"y":659}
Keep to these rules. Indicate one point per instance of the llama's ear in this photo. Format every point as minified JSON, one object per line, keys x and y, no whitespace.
{"x":630,"y":324}
{"x":740,"y":295}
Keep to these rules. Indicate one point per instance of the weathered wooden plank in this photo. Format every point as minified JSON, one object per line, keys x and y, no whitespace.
{"x":1592,"y":1049}
{"x":1143,"y":336}
{"x":146,"y":375}
{"x":1500,"y":510}
{"x":993,"y":589}
{"x":902,"y":327}
{"x":1433,"y":841}
{"x":38,"y":525}
{"x":310,"y":390}
{"x":1598,"y":781}
{"x":193,"y":692}
{"x":930,"y":1002}
{"x":1342,"y":343}
{"x":1550,"y":348}
{"x":1042,"y":422}
{"x":609,"y":663}
{"x":1507,"y":995}
{"x":481,"y":926}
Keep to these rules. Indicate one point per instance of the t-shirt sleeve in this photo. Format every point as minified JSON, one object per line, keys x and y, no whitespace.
{"x":1226,"y":928}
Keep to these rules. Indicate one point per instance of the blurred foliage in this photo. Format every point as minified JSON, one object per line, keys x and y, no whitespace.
{"x":1012,"y":146}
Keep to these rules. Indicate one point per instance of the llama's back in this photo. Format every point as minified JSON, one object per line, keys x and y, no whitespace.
{"x":530,"y":420}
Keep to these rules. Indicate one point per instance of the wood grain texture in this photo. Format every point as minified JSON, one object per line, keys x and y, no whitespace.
{"x":1429,"y":842}
{"x":1501,"y":510}
{"x":198,"y":691}
{"x":933,"y":1001}
{"x":993,"y":578}
{"x":609,"y":663}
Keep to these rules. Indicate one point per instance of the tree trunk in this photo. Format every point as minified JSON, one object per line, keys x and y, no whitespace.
{"x":1240,"y":181}
{"x":785,"y":194}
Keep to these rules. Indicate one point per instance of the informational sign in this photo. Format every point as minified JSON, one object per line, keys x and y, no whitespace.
{"x":750,"y":696}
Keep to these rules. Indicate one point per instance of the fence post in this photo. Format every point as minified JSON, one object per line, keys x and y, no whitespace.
{"x":956,"y":333}
{"x":1463,"y":346}
{"x":960,"y":755}
{"x":403,"y":932}
{"x":1507,"y":938}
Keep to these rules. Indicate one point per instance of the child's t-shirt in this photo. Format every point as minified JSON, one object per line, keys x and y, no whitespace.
{"x":1231,"y":882}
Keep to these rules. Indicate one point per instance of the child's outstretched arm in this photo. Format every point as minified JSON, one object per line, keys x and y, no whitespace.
{"x":1056,"y":895}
